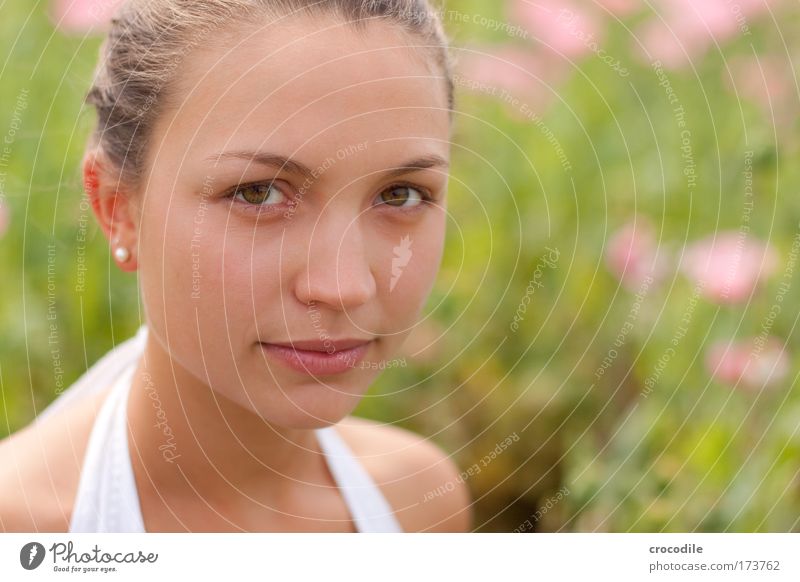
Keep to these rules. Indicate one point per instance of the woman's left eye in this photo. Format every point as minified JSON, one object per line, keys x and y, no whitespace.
{"x":259,"y":194}
{"x":404,"y":196}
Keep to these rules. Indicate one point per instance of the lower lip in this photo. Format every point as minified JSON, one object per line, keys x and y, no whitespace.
{"x":318,"y":363}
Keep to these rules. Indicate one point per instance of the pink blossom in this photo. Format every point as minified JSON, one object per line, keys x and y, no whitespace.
{"x":4,"y":219}
{"x":765,"y":81}
{"x":508,"y":73}
{"x":752,"y":364}
{"x":728,"y":266}
{"x":83,"y":16}
{"x":685,"y":29}
{"x":633,"y":255}
{"x":514,"y":69}
{"x":561,"y":26}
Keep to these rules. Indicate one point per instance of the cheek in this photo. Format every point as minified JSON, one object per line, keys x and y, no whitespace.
{"x":181,"y":274}
{"x":247,"y":276}
{"x":407,"y":266}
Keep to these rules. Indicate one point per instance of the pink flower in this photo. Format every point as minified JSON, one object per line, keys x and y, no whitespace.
{"x":753,"y":364}
{"x":4,"y":219}
{"x":766,"y":81}
{"x":633,"y":255}
{"x":728,"y":266}
{"x":684,"y":29}
{"x":510,"y":68}
{"x":83,"y":16}
{"x":508,"y":73}
{"x":559,"y":25}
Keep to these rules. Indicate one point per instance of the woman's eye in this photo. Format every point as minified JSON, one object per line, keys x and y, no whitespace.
{"x":261,"y":194}
{"x":401,"y":194}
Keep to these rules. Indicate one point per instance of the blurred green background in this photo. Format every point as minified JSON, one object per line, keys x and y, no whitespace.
{"x":604,"y":345}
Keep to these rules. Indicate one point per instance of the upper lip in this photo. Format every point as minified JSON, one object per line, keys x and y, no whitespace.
{"x":328,"y":345}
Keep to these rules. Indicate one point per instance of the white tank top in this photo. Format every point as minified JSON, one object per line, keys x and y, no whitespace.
{"x":107,"y":500}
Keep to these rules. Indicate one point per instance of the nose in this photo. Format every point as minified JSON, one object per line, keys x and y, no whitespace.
{"x":337,"y":269}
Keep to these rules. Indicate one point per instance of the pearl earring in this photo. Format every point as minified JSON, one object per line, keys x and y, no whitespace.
{"x":122,"y":254}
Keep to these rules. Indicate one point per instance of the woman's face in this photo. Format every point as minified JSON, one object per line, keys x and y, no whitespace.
{"x":341,"y":245}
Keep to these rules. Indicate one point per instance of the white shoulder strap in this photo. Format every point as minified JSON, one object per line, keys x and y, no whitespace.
{"x":369,"y":508}
{"x":107,"y":499}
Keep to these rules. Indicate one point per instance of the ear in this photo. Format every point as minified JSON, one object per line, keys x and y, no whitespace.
{"x":112,"y":206}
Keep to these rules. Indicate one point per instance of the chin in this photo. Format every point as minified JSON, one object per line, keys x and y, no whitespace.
{"x":308,"y":422}
{"x":309,"y":417}
{"x":308,"y":406}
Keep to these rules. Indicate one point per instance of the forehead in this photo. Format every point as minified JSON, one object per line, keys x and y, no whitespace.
{"x":310,"y":85}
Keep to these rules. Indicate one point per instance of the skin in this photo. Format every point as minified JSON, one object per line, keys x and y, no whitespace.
{"x":245,"y":455}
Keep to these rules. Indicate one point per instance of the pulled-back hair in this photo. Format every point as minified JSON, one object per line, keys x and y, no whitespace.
{"x":148,"y":40}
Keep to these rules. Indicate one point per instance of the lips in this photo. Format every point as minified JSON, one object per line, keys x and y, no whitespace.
{"x":319,"y":357}
{"x":327,"y":346}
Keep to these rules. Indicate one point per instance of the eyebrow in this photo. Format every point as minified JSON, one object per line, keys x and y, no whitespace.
{"x":284,"y":163}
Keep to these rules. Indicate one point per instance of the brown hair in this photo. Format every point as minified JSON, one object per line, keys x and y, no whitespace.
{"x":148,"y":40}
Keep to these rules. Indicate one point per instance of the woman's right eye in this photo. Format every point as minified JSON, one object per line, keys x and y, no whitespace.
{"x":259,"y":194}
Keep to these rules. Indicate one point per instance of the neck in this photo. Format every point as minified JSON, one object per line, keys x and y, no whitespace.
{"x":183,"y":433}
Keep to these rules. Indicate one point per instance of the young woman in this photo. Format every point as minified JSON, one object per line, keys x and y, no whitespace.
{"x":275,"y":171}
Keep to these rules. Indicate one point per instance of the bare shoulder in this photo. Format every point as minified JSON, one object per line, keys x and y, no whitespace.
{"x":419,"y":480}
{"x":40,"y":469}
